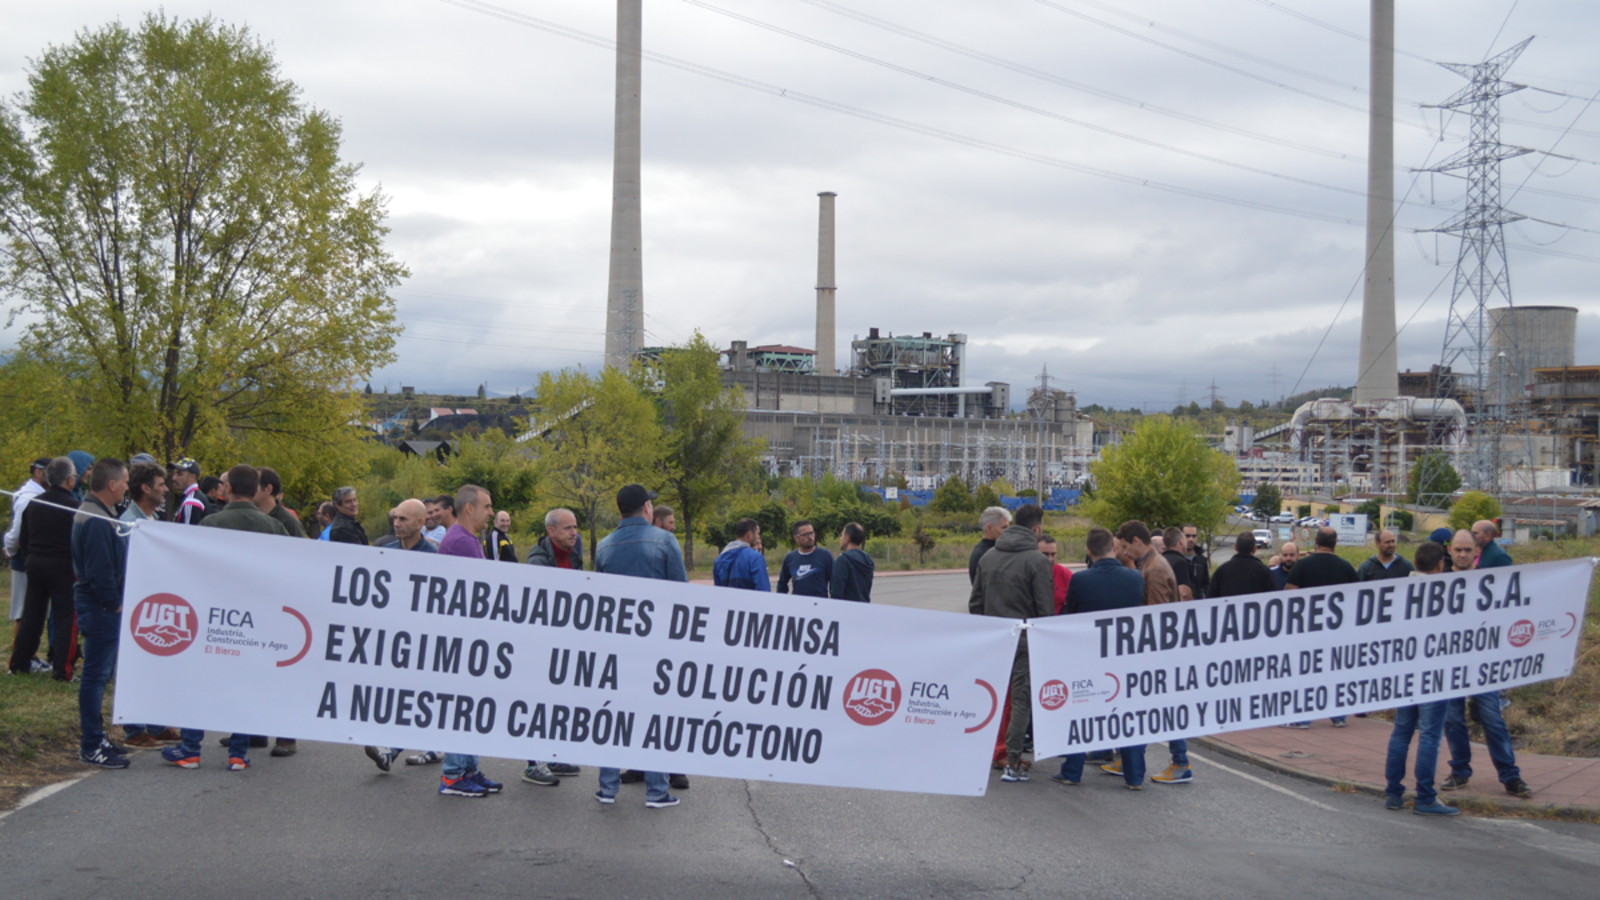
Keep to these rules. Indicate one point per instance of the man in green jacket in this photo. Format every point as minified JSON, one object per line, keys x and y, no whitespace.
{"x":1016,"y":581}
{"x":1490,"y":554}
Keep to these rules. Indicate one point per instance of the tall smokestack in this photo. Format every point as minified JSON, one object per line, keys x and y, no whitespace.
{"x":825,"y":364}
{"x":625,"y":290}
{"x":1379,"y":377}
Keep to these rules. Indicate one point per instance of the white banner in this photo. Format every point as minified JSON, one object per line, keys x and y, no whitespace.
{"x":1156,"y":673}
{"x":234,"y":631}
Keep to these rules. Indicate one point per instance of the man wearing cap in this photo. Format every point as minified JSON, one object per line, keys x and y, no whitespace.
{"x":29,"y":489}
{"x":642,"y":550}
{"x":186,"y":480}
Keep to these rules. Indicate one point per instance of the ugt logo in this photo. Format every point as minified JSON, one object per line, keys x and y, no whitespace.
{"x":1520,"y":634}
{"x":164,"y":624}
{"x":1053,"y":695}
{"x":872,"y":697}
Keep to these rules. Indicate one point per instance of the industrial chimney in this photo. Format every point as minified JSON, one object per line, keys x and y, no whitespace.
{"x":1379,"y":376}
{"x":625,"y":289}
{"x":825,"y":363}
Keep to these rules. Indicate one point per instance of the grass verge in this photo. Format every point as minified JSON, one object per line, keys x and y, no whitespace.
{"x":38,"y":722}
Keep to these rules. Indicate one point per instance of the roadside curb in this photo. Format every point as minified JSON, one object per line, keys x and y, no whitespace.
{"x":43,"y":791}
{"x":1489,"y":805}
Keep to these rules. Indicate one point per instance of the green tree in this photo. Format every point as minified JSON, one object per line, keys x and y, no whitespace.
{"x":496,"y":463}
{"x":951,"y":497}
{"x":1269,"y":500}
{"x":1163,"y":474}
{"x":596,"y":434}
{"x":1432,"y":481}
{"x":189,"y":251}
{"x":985,"y":497}
{"x":705,"y":450}
{"x":1472,"y":506}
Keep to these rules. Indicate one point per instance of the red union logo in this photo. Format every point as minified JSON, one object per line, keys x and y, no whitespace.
{"x":1053,"y":695}
{"x":872,"y":697}
{"x":1520,"y":634}
{"x":164,"y":624}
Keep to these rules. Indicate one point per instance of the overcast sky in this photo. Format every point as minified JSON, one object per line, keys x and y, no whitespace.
{"x":493,"y":141}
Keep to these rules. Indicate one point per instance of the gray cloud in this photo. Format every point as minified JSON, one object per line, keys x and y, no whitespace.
{"x":493,"y":142}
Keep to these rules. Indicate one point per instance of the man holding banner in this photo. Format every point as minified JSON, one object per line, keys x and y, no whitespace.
{"x":473,"y":510}
{"x":1106,"y":584}
{"x":642,"y":550}
{"x":1015,"y":582}
{"x":1485,"y":708}
{"x":1426,"y":720}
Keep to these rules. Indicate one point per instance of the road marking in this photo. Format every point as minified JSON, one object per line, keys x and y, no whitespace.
{"x":49,"y":789}
{"x":1544,"y":839}
{"x":1266,"y":784}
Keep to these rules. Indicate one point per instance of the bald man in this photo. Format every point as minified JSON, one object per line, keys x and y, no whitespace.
{"x":1485,"y":708}
{"x":1490,"y":554}
{"x":409,"y":518}
{"x":1287,"y":557}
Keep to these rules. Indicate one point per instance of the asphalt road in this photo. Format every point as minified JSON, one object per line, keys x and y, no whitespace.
{"x":326,"y":823}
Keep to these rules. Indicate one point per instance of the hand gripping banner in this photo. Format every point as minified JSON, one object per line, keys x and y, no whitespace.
{"x":233,"y":631}
{"x":1155,"y":673}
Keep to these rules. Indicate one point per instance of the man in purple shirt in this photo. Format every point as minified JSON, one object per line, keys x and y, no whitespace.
{"x":474,"y":510}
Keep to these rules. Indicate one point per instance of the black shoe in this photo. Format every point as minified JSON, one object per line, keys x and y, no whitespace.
{"x":632,"y":776}
{"x":257,"y":743}
{"x":681,"y":782}
{"x":1519,"y":788}
{"x":1453,"y":783}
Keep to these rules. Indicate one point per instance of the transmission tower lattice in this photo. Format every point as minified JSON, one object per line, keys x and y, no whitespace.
{"x":1482,"y":276}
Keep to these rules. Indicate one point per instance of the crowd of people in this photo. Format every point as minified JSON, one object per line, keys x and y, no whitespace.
{"x":67,"y":549}
{"x":1014,"y":574}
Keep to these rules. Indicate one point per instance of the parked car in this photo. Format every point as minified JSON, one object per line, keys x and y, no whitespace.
{"x":1283,"y":518}
{"x":1263,"y":537}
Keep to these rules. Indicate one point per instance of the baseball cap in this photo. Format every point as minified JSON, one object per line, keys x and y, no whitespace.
{"x":633,"y":497}
{"x":42,"y":462}
{"x":186,"y":465}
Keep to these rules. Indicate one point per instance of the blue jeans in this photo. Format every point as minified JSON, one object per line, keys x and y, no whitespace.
{"x":1180,"y":752}
{"x":1486,"y":710}
{"x":1132,"y":765}
{"x":100,"y":629}
{"x":238,"y":744}
{"x":1427,"y":721}
{"x":655,"y":783}
{"x":459,"y":764}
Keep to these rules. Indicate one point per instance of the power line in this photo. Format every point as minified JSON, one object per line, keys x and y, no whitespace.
{"x":1211,"y":62}
{"x":1070,"y":83}
{"x":1356,"y":35}
{"x":892,"y":122}
{"x":1218,"y":46}
{"x":995,"y":98}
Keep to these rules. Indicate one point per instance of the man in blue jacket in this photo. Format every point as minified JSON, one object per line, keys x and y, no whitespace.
{"x":100,"y":565}
{"x":741,"y":565}
{"x":1106,"y":584}
{"x":642,"y":550}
